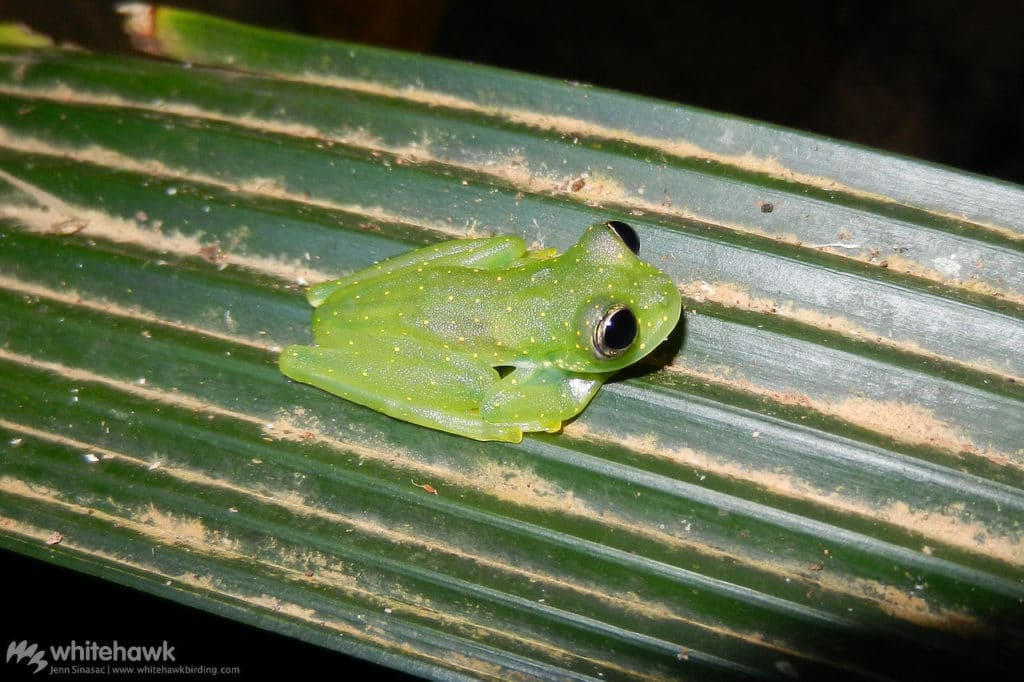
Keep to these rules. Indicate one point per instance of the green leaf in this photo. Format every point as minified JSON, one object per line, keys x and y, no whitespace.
{"x":823,"y":476}
{"x":18,"y":35}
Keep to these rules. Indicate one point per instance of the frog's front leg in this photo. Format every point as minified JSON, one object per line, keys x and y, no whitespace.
{"x":538,"y":398}
{"x":415,"y":380}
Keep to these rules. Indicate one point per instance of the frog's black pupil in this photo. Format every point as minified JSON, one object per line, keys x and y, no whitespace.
{"x":627,"y":234}
{"x":616,"y":331}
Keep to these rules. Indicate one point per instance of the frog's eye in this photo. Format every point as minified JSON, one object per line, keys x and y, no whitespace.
{"x":626,"y":233}
{"x":615,"y":332}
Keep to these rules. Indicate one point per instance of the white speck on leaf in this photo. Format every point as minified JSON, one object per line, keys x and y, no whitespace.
{"x":948,"y":266}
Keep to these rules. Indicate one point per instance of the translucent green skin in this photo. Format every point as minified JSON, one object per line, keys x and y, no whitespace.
{"x":419,"y":336}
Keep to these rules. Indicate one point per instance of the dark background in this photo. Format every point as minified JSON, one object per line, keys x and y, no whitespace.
{"x":936,"y":80}
{"x":940,"y":81}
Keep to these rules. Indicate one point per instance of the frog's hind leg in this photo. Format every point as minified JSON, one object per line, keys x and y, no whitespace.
{"x":487,"y":253}
{"x":409,"y":379}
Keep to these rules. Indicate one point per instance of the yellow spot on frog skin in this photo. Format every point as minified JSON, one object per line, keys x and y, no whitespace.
{"x":462,"y":339}
{"x":451,"y":298}
{"x":498,"y":279}
{"x":365,"y":374}
{"x":330,"y":370}
{"x":543,"y":314}
{"x":335,"y":313}
{"x":476,"y":300}
{"x":420,"y":287}
{"x":387,"y":293}
{"x":508,"y":308}
{"x":397,"y":349}
{"x":426,"y":323}
{"x":643,"y":345}
{"x":351,"y":342}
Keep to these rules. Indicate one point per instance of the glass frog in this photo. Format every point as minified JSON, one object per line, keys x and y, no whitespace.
{"x":483,"y":338}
